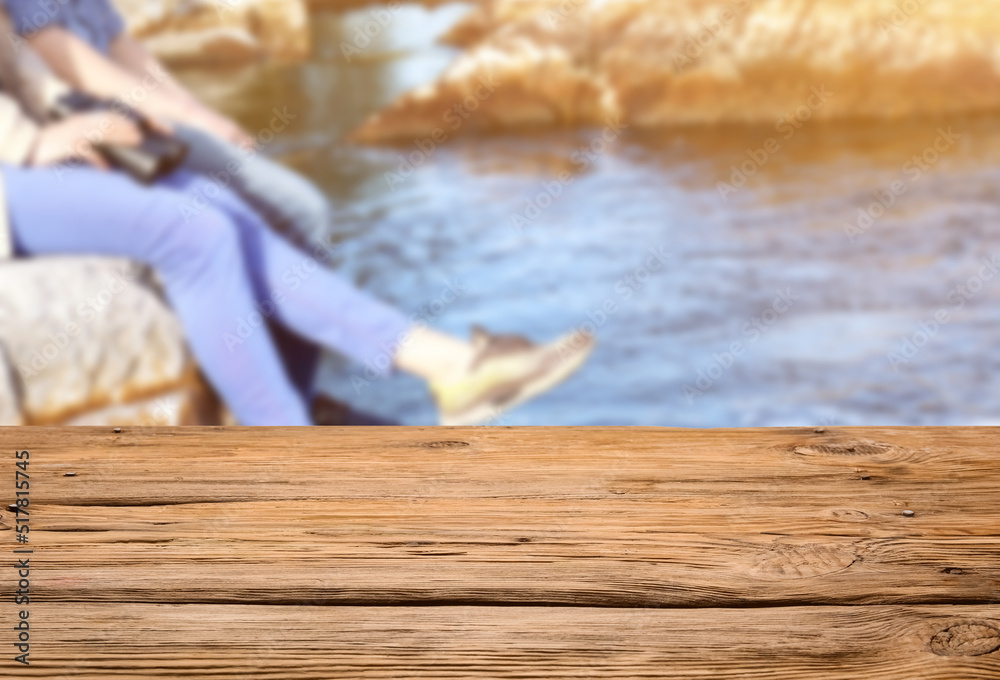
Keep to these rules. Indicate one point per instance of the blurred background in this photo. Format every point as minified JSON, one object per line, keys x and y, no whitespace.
{"x":770,"y":213}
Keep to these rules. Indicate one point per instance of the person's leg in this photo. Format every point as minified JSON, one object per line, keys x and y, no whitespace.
{"x":200,"y":262}
{"x":284,"y":199}
{"x":287,"y":201}
{"x":280,"y":270}
{"x":300,"y":292}
{"x":471,"y":382}
{"x":295,"y":207}
{"x":300,"y":358}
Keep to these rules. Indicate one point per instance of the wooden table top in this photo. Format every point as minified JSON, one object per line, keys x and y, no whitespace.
{"x":507,"y":553}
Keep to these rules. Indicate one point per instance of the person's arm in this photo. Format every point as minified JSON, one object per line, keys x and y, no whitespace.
{"x":88,"y":70}
{"x":22,"y":142}
{"x":133,"y":56}
{"x":76,"y":138}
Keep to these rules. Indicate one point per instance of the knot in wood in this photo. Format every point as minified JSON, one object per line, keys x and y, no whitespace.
{"x":976,"y":638}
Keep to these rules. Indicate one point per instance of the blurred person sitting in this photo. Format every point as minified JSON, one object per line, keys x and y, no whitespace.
{"x":224,"y":266}
{"x":84,"y":42}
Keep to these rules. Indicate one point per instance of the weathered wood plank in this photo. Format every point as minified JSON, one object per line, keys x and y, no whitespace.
{"x":232,"y":641}
{"x":583,"y":517}
{"x":394,"y":552}
{"x":161,"y":466}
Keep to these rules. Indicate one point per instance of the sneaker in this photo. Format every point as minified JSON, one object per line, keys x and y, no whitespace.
{"x":506,"y":371}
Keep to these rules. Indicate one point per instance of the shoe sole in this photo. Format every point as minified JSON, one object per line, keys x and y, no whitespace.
{"x":543,"y":382}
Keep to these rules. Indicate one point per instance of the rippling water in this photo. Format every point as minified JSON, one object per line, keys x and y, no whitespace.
{"x":892,"y":323}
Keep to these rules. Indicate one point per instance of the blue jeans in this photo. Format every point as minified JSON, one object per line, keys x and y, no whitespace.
{"x":286,"y":200}
{"x":223,"y":269}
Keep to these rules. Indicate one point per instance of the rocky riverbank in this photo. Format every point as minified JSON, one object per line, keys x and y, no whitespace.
{"x":90,"y":341}
{"x":220,"y":31}
{"x":190,"y":32}
{"x":654,"y":64}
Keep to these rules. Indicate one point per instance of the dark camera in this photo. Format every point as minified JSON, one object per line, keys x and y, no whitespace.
{"x":157,"y":156}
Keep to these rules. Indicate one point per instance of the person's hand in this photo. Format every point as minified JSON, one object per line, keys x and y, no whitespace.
{"x":76,"y":138}
{"x":157,"y":124}
{"x":222,"y":127}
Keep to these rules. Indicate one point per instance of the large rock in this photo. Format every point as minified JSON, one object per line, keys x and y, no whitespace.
{"x":220,"y":31}
{"x":90,"y":341}
{"x":652,"y":64}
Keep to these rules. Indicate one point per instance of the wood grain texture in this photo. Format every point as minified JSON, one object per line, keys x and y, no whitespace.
{"x":561,"y":517}
{"x":227,"y":641}
{"x":512,"y":553}
{"x":485,"y":552}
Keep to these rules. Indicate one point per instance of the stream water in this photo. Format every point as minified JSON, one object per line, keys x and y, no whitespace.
{"x":774,"y":303}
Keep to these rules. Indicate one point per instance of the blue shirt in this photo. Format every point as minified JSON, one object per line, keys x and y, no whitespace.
{"x":96,"y":22}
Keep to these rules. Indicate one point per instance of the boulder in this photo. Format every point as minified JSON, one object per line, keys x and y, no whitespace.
{"x":91,"y":341}
{"x":654,"y":64}
{"x":219,"y":31}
